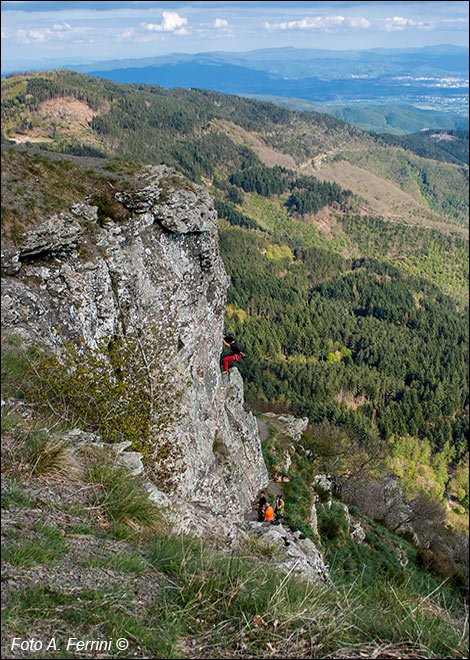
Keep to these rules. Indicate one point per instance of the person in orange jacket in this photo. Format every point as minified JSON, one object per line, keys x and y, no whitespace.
{"x":268,"y":513}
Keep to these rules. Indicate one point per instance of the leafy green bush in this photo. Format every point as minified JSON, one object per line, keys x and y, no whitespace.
{"x":121,"y":389}
{"x":332,"y":523}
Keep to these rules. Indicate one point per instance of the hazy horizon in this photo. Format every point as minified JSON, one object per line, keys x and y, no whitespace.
{"x":42,"y":34}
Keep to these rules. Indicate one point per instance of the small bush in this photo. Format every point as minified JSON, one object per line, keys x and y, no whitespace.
{"x":33,"y":452}
{"x":442,"y":565}
{"x":253,"y":545}
{"x":121,"y":389}
{"x":16,"y":374}
{"x":47,"y":456}
{"x":331,"y":524}
{"x":109,"y":207}
{"x":324,"y":495}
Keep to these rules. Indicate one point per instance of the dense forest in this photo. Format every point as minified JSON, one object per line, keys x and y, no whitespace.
{"x":315,"y":324}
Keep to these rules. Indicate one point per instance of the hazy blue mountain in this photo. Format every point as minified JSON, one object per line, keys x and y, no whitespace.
{"x":435,"y":78}
{"x":233,"y":79}
{"x":327,"y":64}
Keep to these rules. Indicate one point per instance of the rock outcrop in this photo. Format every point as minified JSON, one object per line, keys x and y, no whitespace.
{"x":291,"y":426}
{"x":295,"y":553}
{"x":161,"y":268}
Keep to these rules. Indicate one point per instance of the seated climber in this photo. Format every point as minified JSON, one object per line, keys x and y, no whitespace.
{"x":268,"y":513}
{"x":236,"y":353}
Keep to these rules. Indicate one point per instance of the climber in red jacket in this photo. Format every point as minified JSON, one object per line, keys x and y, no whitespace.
{"x":236,"y":353}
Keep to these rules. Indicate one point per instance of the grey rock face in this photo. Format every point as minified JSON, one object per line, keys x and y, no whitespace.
{"x":314,"y":516}
{"x":323,"y":480}
{"x":296,"y":553}
{"x":159,"y":269}
{"x":357,"y":532}
{"x":290,"y":425}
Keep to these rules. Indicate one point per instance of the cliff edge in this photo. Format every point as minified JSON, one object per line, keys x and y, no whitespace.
{"x":96,"y":277}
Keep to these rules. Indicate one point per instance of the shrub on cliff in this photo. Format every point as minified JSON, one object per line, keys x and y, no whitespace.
{"x":121,"y":389}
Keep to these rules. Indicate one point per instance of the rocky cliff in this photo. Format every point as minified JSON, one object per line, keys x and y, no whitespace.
{"x":94,"y":277}
{"x":81,"y":276}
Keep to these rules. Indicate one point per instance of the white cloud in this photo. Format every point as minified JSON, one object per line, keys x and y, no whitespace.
{"x":456,"y":22}
{"x":172,"y":22}
{"x":400,"y":23}
{"x":220,"y":23}
{"x":360,"y":22}
{"x":320,"y":23}
{"x":61,"y":26}
{"x":128,"y":33}
{"x":31,"y":36}
{"x":59,"y":31}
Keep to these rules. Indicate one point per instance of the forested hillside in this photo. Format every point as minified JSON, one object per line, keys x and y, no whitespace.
{"x":445,"y":146}
{"x":348,"y":257}
{"x":390,"y":119}
{"x":354,"y":341}
{"x":206,"y":134}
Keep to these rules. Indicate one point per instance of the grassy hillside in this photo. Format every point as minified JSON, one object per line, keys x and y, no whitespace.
{"x":36,"y":185}
{"x":87,"y":556}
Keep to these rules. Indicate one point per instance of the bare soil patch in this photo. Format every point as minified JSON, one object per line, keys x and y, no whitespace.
{"x":67,"y":108}
{"x":267,"y":155}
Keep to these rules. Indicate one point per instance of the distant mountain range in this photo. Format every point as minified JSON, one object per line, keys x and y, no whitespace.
{"x":298,"y":63}
{"x":433,"y":79}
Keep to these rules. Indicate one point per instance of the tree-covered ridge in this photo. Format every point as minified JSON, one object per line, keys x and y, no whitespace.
{"x":441,"y":258}
{"x":316,"y":324}
{"x":307,"y":193}
{"x":449,"y":146}
{"x":188,"y":129}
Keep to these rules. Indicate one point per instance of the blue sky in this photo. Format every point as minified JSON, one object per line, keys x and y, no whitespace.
{"x":44,"y":34}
